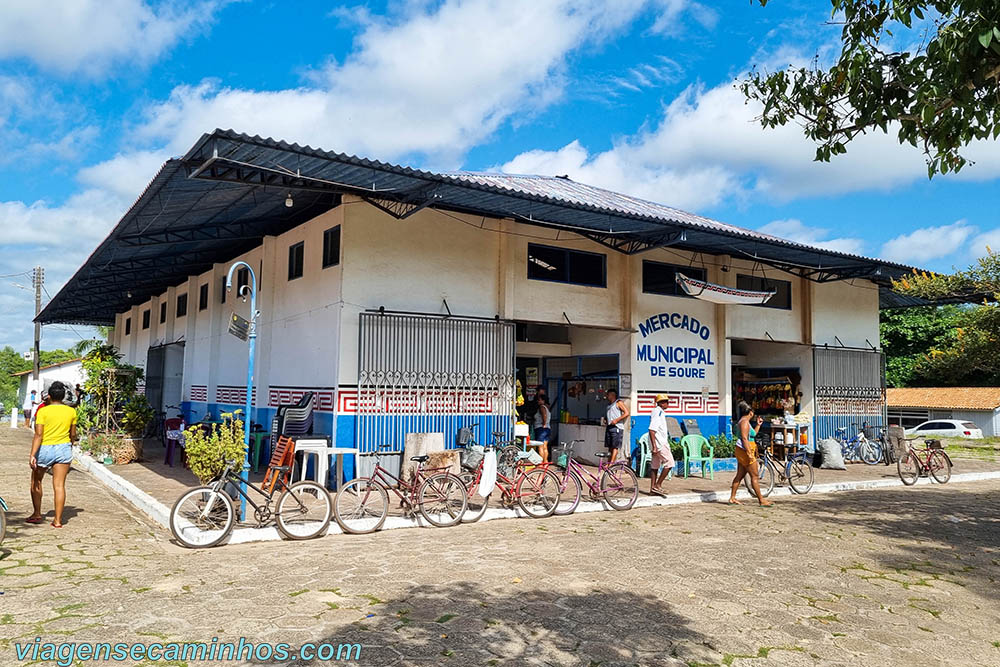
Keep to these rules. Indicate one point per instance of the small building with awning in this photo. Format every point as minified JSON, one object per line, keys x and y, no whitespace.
{"x":415,"y":301}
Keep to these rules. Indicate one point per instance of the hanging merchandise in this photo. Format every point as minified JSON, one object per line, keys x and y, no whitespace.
{"x":707,"y":291}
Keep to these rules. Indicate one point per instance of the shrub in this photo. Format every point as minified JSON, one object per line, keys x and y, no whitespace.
{"x":136,"y":414}
{"x":207,"y":453}
{"x":724,"y":445}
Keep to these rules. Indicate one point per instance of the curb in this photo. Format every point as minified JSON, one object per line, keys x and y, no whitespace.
{"x":160,"y":513}
{"x":142,"y":501}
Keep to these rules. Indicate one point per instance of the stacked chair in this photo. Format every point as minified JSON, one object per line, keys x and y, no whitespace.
{"x":293,"y":420}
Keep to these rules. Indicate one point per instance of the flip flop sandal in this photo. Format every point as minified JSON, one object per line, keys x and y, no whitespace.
{"x":53,"y":524}
{"x":33,"y":521}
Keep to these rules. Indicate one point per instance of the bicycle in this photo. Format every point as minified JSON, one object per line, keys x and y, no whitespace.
{"x":797,"y":471}
{"x":617,"y":484}
{"x":935,"y":463}
{"x":204,"y":516}
{"x":859,"y":447}
{"x":362,"y":505}
{"x":534,"y":490}
{"x":3,"y":518}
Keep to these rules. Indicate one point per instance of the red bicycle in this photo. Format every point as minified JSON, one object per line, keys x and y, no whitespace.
{"x":930,"y":460}
{"x":534,"y":489}
{"x":362,"y":504}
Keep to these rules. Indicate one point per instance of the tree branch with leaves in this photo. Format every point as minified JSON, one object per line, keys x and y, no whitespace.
{"x":939,"y":95}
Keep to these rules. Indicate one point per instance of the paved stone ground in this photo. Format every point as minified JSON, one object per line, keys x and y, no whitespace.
{"x":889,"y":577}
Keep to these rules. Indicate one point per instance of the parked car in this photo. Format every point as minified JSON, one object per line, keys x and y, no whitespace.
{"x":946,"y":428}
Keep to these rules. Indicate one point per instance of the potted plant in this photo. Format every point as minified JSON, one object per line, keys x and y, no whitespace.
{"x":136,"y":415}
{"x":208,"y":450}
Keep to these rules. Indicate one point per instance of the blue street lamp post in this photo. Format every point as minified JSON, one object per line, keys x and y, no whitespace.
{"x":252,"y":340}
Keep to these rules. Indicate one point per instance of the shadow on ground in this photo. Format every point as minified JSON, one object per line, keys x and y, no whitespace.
{"x":942,"y":531}
{"x":464,"y":624}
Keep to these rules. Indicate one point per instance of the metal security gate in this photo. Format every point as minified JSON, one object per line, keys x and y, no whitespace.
{"x":849,"y":387}
{"x":427,"y":374}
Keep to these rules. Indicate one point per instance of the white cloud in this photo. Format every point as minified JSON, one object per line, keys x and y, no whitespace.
{"x":988,"y":239}
{"x":928,"y":243}
{"x":794,"y":230}
{"x":125,"y":175}
{"x":89,"y":36}
{"x":668,"y":21}
{"x":434,"y":83}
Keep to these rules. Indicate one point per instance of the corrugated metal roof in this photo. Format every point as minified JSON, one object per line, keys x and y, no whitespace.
{"x":228,"y":192}
{"x":944,"y":398}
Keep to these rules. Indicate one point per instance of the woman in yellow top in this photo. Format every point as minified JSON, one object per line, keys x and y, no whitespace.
{"x":52,"y":448}
{"x":746,"y":454}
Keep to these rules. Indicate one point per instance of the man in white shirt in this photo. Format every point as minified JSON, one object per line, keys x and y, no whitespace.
{"x":659,"y":444}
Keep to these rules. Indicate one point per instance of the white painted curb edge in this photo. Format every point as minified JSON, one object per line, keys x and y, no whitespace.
{"x":160,"y":513}
{"x":144,"y":502}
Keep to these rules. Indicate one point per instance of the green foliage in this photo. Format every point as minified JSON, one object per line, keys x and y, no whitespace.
{"x":908,"y":336}
{"x":11,"y":361}
{"x":725,"y":445}
{"x":108,"y":376}
{"x":207,"y":453}
{"x":137,"y":413}
{"x":940,"y":94}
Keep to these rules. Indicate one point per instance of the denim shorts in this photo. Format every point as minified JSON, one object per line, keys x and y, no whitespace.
{"x":48,"y":455}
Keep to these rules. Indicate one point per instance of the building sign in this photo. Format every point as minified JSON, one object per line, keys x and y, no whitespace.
{"x":676,"y":346}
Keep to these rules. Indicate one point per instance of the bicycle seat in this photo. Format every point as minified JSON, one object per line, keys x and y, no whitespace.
{"x":498,"y":434}
{"x":281,"y":468}
{"x":419,"y":459}
{"x":602,"y":455}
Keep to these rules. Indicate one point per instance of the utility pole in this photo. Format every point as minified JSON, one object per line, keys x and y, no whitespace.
{"x":37,"y":279}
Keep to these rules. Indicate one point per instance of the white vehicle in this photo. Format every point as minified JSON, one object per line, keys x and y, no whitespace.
{"x":946,"y":428}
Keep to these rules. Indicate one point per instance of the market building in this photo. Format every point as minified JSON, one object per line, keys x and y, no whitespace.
{"x":411,"y":301}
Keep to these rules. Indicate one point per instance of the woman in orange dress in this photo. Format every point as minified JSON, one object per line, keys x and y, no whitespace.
{"x":746,"y":454}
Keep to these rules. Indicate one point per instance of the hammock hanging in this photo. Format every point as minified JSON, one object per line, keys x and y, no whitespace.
{"x":706,"y":291}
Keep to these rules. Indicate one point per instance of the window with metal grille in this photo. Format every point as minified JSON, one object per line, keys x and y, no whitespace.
{"x":203,"y":297}
{"x":145,"y":319}
{"x":163,"y":312}
{"x":331,"y":247}
{"x":562,"y":265}
{"x":661,"y":278}
{"x":782,"y":298}
{"x":182,"y":305}
{"x":296,"y":255}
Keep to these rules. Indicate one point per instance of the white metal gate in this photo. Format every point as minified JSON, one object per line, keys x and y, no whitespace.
{"x":427,"y":374}
{"x":849,"y":388}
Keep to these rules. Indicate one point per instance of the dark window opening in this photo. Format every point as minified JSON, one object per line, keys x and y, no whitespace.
{"x":661,"y":278}
{"x":296,"y":256}
{"x":163,"y":312}
{"x":562,"y":265}
{"x":782,"y":298}
{"x":182,"y":305}
{"x":128,"y":325}
{"x":145,"y":319}
{"x":331,"y":247}
{"x":203,"y":297}
{"x":242,"y":278}
{"x":223,"y":298}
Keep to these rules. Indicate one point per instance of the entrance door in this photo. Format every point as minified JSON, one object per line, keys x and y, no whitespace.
{"x":849,"y":388}
{"x":165,"y":377}
{"x":426,"y":374}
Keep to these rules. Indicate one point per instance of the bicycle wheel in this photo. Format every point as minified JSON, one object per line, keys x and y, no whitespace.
{"x":908,"y":468}
{"x":761,"y":466}
{"x":800,"y":475}
{"x":361,"y":506}
{"x":940,"y":467}
{"x":538,"y":493}
{"x":3,"y":525}
{"x":476,"y":505}
{"x":620,"y":487}
{"x":870,"y":452}
{"x":569,"y":499}
{"x":442,"y":500}
{"x":202,"y":518}
{"x":303,"y":511}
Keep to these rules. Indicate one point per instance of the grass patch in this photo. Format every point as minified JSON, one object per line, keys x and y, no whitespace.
{"x":372,"y":600}
{"x":445,"y":618}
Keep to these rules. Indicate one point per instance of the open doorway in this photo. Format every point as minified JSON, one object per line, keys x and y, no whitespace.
{"x":165,"y":377}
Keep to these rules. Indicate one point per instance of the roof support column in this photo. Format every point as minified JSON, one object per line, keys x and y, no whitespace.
{"x":268,"y":280}
{"x":505,"y":272}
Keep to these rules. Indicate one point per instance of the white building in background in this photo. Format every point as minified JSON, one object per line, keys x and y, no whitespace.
{"x":412,"y":301}
{"x":69,"y":372}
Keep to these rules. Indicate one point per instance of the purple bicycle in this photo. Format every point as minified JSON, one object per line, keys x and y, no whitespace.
{"x":615,"y":483}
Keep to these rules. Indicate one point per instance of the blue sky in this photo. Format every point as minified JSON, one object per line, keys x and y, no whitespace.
{"x":632,"y":95}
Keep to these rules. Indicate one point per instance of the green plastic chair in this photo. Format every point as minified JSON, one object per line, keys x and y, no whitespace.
{"x":646,"y":456}
{"x":693,"y":446}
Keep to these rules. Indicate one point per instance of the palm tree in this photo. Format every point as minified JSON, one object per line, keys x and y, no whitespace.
{"x":84,"y":346}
